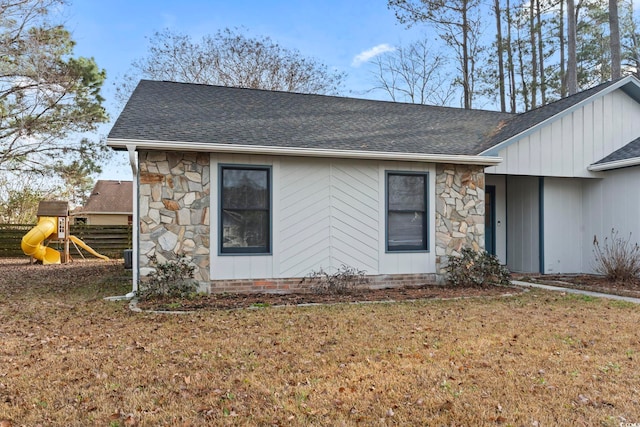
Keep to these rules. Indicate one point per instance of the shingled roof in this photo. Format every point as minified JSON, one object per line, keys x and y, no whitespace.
{"x":629,"y":151}
{"x":215,"y":116}
{"x":193,"y":113}
{"x":110,"y":197}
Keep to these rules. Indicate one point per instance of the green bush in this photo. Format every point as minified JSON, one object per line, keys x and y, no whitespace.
{"x":171,"y":279}
{"x":343,"y":281}
{"x":476,"y":269}
{"x":618,"y":259}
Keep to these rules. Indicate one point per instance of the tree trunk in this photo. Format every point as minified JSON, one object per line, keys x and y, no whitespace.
{"x":534,"y":58}
{"x":563,"y":60}
{"x":465,"y":59}
{"x":510,"y":65}
{"x":525,"y":89}
{"x":500,"y":45}
{"x":543,"y":81}
{"x":614,"y":40}
{"x":572,"y":63}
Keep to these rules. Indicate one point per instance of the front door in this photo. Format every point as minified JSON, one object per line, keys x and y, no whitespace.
{"x":490,"y":219}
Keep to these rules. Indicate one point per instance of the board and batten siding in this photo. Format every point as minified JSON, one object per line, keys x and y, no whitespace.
{"x":575,"y":211}
{"x":563,"y":225}
{"x":500,"y":230}
{"x":523,"y":224}
{"x":567,"y":145}
{"x":325,"y":213}
{"x":612,"y":203}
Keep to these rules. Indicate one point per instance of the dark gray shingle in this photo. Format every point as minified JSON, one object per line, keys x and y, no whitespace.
{"x":629,"y":151}
{"x":181,"y":112}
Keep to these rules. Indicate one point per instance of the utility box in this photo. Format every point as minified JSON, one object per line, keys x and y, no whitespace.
{"x":128,"y":259}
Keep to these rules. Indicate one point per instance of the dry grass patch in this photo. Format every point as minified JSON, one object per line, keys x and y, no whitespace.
{"x":70,"y":358}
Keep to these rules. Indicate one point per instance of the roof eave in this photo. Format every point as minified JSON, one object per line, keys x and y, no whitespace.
{"x":482,"y":160}
{"x":617,"y":164}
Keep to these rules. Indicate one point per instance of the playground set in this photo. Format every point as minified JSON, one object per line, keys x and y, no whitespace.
{"x":53,"y":226}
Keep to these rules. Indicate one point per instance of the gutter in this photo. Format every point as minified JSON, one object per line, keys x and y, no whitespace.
{"x":614,"y":165}
{"x":303,"y":152}
{"x":135,"y":273}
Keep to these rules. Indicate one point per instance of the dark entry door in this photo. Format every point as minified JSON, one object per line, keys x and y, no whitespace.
{"x":490,"y":219}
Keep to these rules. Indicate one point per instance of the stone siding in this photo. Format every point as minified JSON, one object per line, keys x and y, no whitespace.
{"x":174,"y":208}
{"x":459,"y":211}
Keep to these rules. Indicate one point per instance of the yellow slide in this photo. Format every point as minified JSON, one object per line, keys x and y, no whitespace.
{"x":32,"y":241}
{"x":87,"y":248}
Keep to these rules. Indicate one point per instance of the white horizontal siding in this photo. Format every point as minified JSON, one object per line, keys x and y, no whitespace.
{"x":566,"y":146}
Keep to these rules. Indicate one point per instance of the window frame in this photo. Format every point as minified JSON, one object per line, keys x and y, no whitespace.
{"x":240,"y":251}
{"x":425,"y":217}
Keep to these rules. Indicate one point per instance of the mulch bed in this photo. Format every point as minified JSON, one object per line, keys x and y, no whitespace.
{"x":587,"y":282}
{"x":257,"y":300}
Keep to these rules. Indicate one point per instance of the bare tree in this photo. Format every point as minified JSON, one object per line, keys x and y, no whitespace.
{"x":45,"y":93}
{"x":230,"y":58}
{"x":457,"y":23}
{"x":413,"y":74}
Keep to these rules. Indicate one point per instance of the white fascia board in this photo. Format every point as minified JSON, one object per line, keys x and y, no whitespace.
{"x":614,"y":165}
{"x":304,"y":152}
{"x":493,"y":151}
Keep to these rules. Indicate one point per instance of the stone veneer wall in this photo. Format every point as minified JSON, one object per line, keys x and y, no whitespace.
{"x":174,"y":209}
{"x":459,"y":211}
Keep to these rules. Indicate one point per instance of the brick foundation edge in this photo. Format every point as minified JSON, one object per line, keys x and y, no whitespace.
{"x":290,"y":285}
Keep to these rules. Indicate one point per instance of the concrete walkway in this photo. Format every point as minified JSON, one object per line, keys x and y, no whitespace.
{"x":576,"y":291}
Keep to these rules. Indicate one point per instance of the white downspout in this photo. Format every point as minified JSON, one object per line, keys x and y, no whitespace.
{"x":135,"y":273}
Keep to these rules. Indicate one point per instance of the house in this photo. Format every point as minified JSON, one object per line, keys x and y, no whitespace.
{"x":110,"y":203}
{"x":262,"y":188}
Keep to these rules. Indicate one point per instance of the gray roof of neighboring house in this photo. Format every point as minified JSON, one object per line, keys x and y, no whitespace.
{"x":182,"y":112}
{"x":629,"y":151}
{"x":109,"y":197}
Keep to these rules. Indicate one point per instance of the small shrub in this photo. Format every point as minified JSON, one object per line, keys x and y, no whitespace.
{"x":172,"y":279}
{"x":476,"y":269}
{"x":343,"y":281}
{"x":618,"y":259}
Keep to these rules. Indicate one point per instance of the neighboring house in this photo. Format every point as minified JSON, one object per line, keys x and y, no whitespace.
{"x":263,"y":188}
{"x":110,"y":203}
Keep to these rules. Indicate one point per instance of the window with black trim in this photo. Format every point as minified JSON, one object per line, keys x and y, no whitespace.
{"x":407,"y":211}
{"x":245,"y":209}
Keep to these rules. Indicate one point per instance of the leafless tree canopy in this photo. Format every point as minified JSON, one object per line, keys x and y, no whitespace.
{"x":230,"y":58}
{"x":45,"y":93}
{"x":413,"y":74}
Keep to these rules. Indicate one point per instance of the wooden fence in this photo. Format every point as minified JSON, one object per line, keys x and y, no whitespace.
{"x":109,"y":240}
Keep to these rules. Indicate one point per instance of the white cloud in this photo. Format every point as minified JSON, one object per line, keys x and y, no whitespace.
{"x":365,"y":56}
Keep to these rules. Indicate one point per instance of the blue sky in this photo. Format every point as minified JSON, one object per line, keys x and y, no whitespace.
{"x":335,"y":32}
